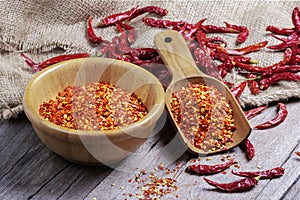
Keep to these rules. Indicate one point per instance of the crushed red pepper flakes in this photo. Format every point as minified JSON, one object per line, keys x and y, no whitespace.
{"x":237,"y":166}
{"x":206,"y":119}
{"x":229,"y":158}
{"x":95,"y":106}
{"x":156,"y":184}
{"x":161,"y":166}
{"x":208,"y":159}
{"x":224,"y":172}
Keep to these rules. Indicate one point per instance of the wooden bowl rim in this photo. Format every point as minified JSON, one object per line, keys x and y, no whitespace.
{"x":43,"y":124}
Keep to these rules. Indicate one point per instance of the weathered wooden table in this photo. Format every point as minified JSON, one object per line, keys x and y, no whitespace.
{"x":28,"y":170}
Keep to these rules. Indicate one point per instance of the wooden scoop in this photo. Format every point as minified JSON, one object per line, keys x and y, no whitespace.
{"x":176,"y":55}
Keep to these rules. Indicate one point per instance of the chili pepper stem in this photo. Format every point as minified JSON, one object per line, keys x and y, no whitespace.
{"x":188,"y":169}
{"x":253,"y":61}
{"x":252,"y":79}
{"x":258,"y":178}
{"x":30,"y":62}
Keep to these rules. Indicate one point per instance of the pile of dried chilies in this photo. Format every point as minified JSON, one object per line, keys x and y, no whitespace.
{"x":204,"y":48}
{"x":207,"y":51}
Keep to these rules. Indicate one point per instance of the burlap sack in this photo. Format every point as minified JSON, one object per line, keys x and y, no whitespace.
{"x":44,"y":28}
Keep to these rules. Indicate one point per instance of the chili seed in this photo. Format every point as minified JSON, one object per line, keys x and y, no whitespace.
{"x":95,"y":106}
{"x":203,"y":115}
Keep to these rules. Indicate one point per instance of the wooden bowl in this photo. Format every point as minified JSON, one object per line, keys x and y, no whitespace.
{"x":93,"y":147}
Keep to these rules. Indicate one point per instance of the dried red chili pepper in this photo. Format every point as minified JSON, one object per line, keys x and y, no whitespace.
{"x":293,"y":57}
{"x":161,"y":23}
{"x":237,"y":90}
{"x":222,"y":72}
{"x":298,"y":56}
{"x":201,"y":38}
{"x":125,"y":26}
{"x":217,"y":40}
{"x":243,"y":32}
{"x":297,"y":153}
{"x":246,"y":50}
{"x":220,"y":56}
{"x":244,"y":59}
{"x":253,"y":84}
{"x":279,"y":118}
{"x":255,"y":111}
{"x":209,"y":169}
{"x":279,"y":69}
{"x":137,"y":61}
{"x":114,"y":18}
{"x":51,"y":61}
{"x":228,"y":84}
{"x":278,"y":38}
{"x":195,"y":28}
{"x":249,"y":149}
{"x":119,"y":27}
{"x":265,"y":83}
{"x":237,"y":186}
{"x":205,"y":63}
{"x":270,"y":173}
{"x":143,"y":53}
{"x":223,"y":57}
{"x":285,"y":65}
{"x":286,"y":57}
{"x":150,"y":9}
{"x":122,"y":27}
{"x":217,"y":29}
{"x":225,"y":67}
{"x":183,"y":29}
{"x":91,"y":34}
{"x":123,"y":43}
{"x":109,"y":48}
{"x":250,"y":68}
{"x":286,"y":43}
{"x":280,"y":31}
{"x":296,"y":19}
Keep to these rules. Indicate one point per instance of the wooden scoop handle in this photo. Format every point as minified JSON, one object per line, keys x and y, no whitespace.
{"x":176,"y":55}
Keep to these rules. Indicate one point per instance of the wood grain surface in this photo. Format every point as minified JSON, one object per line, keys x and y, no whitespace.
{"x":28,"y":170}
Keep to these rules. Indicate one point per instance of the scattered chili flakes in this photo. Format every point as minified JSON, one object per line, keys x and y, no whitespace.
{"x":208,"y":158}
{"x":155,"y":186}
{"x":95,"y":106}
{"x":237,"y":166}
{"x":143,"y":171}
{"x":297,"y":153}
{"x":203,"y":115}
{"x":161,"y":166}
{"x":229,"y":158}
{"x":223,"y":157}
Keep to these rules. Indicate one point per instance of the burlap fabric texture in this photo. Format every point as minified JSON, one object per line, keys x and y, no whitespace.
{"x":45,"y":28}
